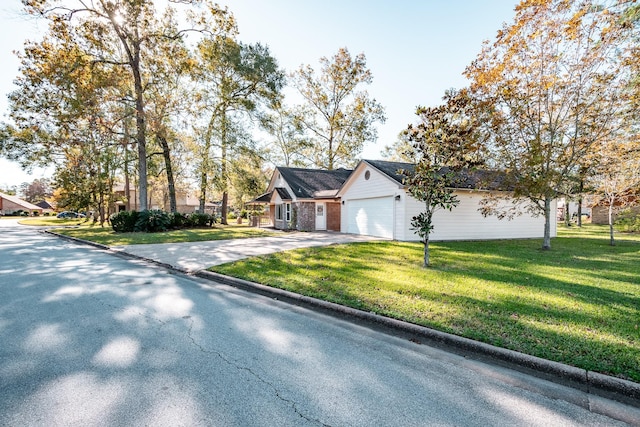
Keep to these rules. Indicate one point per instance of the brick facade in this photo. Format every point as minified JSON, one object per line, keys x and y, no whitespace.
{"x":333,"y":216}
{"x":306,"y":216}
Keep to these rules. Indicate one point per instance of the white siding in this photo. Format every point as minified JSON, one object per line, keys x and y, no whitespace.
{"x":465,"y":222}
{"x":358,"y":188}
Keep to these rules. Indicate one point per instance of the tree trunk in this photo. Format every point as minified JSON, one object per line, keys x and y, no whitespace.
{"x":612,"y":241}
{"x":579,"y":220}
{"x":546,"y":244}
{"x":127,"y":184}
{"x":223,"y":169}
{"x":426,"y":251}
{"x":567,"y":214}
{"x":173,"y":206}
{"x":141,"y":129}
{"x":203,"y":190}
{"x":225,"y":197}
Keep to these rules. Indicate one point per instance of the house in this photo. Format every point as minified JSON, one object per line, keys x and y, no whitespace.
{"x":303,"y":199}
{"x":185,"y":202}
{"x":375,"y":202}
{"x":47,"y":208}
{"x":629,"y":199}
{"x":10,"y":205}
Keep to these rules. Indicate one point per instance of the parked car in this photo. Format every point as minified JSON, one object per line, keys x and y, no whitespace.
{"x":69,"y":214}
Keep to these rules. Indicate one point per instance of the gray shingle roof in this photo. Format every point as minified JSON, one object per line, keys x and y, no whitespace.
{"x":310,"y":183}
{"x":467,"y":178}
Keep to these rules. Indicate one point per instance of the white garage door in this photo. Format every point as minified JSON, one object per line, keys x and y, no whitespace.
{"x":371,"y":217}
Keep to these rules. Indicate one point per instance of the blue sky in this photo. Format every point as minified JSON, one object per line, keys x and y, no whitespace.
{"x":416,"y":49}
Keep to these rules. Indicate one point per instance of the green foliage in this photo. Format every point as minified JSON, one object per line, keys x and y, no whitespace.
{"x":124,"y":221}
{"x":628,"y":221}
{"x":338,"y":115}
{"x":152,"y":221}
{"x":197,"y":219}
{"x":443,"y":143}
{"x":179,"y":220}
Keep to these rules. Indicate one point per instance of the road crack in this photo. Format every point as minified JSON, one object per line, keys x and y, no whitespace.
{"x":251,"y":372}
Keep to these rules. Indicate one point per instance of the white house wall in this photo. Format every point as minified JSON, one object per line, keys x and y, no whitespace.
{"x":378,"y":186}
{"x":465,"y":222}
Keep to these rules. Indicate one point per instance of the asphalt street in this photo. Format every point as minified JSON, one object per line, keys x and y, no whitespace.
{"x":88,"y":338}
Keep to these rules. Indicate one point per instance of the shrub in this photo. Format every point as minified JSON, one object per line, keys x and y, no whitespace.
{"x":202,"y":219}
{"x":152,"y":221}
{"x":124,"y":221}
{"x":628,"y":221}
{"x":179,"y":220}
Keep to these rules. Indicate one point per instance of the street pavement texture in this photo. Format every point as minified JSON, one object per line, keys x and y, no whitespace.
{"x":90,"y":339}
{"x":194,"y":256}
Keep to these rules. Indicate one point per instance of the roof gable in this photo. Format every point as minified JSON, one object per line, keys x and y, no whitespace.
{"x":20,"y":202}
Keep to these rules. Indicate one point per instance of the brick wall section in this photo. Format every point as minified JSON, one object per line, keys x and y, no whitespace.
{"x":306,"y":216}
{"x":600,"y":214}
{"x":333,"y":216}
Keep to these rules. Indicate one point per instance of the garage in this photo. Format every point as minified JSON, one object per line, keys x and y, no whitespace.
{"x":371,"y":217}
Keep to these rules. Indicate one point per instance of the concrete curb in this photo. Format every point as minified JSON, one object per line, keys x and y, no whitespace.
{"x":591,"y":383}
{"x":627,"y":392}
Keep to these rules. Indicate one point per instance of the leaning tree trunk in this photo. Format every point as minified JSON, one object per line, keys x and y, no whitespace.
{"x":166,"y":153}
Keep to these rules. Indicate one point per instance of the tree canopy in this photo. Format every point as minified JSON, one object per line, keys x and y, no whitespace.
{"x":338,"y":116}
{"x":555,"y":82}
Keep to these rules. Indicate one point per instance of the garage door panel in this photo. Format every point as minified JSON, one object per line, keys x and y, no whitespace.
{"x":371,"y":217}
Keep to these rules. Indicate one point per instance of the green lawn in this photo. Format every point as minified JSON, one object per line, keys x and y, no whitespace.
{"x":578,"y":303}
{"x":106,"y":236}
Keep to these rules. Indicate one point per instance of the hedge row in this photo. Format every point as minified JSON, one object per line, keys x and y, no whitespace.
{"x":153,"y":220}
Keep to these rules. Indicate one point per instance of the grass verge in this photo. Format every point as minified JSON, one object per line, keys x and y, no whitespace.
{"x":106,"y":236}
{"x":577,"y":304}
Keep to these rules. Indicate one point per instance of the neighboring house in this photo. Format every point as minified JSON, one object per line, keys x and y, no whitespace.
{"x":188,"y":203}
{"x":47,"y":208}
{"x":185,"y":202}
{"x":375,"y":202}
{"x":600,"y":208}
{"x":12,"y":204}
{"x":303,"y":199}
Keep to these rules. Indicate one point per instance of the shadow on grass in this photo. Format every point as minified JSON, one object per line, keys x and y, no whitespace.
{"x":576,"y":304}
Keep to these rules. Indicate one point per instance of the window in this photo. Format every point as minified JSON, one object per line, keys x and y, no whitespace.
{"x":283,"y":211}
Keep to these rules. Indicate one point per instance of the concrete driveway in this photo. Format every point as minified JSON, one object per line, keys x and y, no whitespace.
{"x":194,"y":256}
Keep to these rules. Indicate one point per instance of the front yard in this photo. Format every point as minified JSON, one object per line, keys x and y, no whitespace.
{"x":106,"y":236}
{"x":578,"y":303}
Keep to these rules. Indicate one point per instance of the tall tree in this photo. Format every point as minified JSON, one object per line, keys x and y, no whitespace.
{"x":59,"y":116}
{"x":616,"y":177}
{"x":554,"y":79}
{"x":234,"y":80}
{"x":339,"y":117}
{"x":36,"y":190}
{"x":445,"y":142}
{"x":288,"y":143}
{"x":118,"y":32}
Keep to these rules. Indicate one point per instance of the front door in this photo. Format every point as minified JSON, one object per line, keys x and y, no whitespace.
{"x":321,"y":216}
